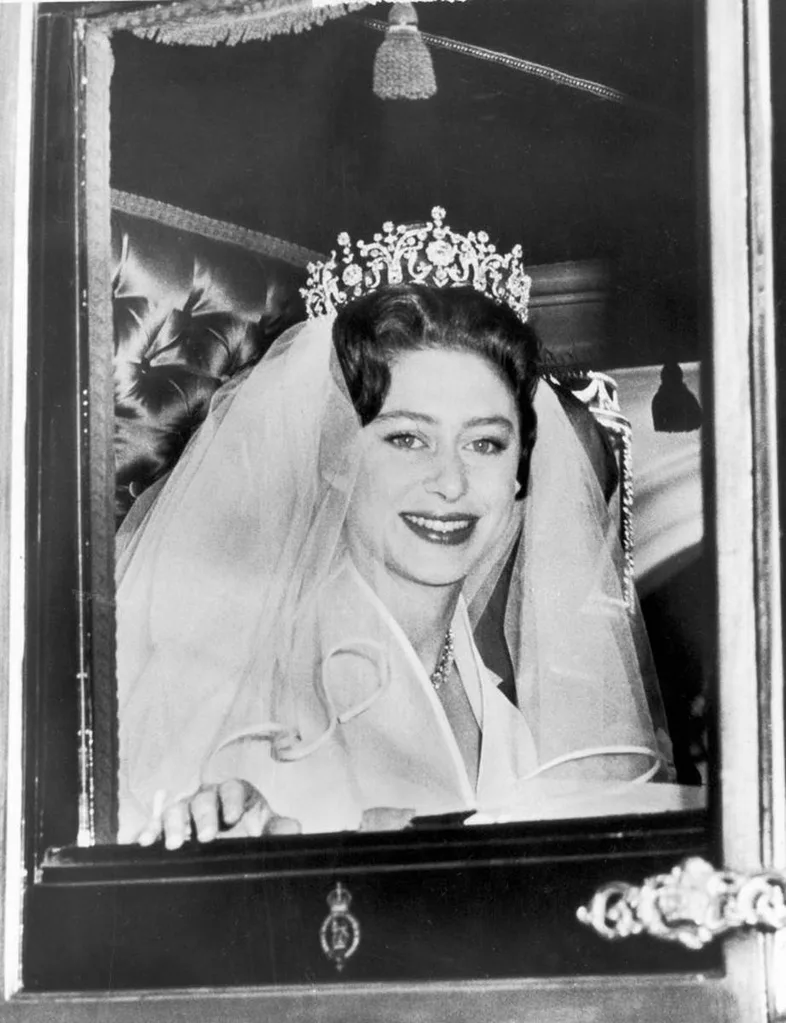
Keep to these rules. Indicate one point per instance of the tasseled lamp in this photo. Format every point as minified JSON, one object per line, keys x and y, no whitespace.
{"x":403,"y":68}
{"x":675,"y":409}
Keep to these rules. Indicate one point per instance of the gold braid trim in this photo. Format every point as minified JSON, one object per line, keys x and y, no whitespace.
{"x":216,"y":230}
{"x":97,"y":405}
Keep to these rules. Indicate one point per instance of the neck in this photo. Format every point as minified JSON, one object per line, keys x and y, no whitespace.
{"x":423,"y":612}
{"x":425,"y":616}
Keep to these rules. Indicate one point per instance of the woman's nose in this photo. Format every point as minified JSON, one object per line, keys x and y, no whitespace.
{"x":449,"y":477}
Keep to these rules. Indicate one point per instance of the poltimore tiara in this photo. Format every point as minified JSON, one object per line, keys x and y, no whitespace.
{"x":429,"y":253}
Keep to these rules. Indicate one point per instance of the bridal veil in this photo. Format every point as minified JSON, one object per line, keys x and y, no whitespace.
{"x":227,"y":628}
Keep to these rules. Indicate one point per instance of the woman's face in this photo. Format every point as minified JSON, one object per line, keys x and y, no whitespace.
{"x":437,"y":480}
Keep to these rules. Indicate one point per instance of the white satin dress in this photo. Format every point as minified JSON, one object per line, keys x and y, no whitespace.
{"x":388,"y":744}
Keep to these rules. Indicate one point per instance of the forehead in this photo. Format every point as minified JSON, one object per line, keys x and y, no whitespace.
{"x":455,"y":381}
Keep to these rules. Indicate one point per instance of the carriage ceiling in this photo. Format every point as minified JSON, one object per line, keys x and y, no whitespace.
{"x":287,"y":137}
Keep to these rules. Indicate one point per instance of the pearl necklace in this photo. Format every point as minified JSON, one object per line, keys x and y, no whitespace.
{"x":441,"y":673}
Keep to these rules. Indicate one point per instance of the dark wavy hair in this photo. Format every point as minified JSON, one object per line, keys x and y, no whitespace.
{"x":371,"y":331}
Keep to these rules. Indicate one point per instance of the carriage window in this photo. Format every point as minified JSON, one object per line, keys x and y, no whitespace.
{"x":390,"y":562}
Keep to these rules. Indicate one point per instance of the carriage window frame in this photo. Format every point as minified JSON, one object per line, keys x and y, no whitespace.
{"x":85,"y":870}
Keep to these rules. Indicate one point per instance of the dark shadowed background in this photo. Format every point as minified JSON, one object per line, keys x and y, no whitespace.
{"x":287,"y":137}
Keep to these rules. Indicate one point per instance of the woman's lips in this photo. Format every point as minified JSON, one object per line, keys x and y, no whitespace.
{"x":449,"y":530}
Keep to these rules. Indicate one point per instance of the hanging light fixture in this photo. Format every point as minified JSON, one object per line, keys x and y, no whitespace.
{"x":403,"y":68}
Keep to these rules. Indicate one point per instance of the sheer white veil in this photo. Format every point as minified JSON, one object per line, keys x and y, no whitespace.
{"x":583,"y":670}
{"x":223,"y":630}
{"x":210,"y":565}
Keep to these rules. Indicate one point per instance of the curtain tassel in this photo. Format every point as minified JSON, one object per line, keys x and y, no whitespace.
{"x":403,"y":68}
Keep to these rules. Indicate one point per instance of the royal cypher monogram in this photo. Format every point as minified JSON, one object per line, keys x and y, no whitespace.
{"x":339,"y":935}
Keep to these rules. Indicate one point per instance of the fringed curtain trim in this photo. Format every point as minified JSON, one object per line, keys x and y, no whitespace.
{"x":215,"y":22}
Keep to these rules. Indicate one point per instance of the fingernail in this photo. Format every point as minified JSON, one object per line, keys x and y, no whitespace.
{"x":146,"y":838}
{"x":206,"y":834}
{"x":173,"y":841}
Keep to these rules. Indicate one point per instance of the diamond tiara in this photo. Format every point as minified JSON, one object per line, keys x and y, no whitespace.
{"x":429,"y":253}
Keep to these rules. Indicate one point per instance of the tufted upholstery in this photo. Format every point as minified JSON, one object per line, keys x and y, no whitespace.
{"x":188,"y":313}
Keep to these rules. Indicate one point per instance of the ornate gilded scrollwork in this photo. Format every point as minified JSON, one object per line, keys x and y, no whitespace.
{"x":339,"y":934}
{"x":692,"y":904}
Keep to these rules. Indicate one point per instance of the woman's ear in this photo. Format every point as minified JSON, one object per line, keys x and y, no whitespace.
{"x":522,"y":476}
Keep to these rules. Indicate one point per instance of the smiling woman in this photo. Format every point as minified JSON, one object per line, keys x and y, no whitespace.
{"x":298,"y":604}
{"x":353,"y":926}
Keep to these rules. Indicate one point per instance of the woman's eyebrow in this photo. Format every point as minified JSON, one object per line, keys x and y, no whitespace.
{"x":502,"y":421}
{"x":420,"y":417}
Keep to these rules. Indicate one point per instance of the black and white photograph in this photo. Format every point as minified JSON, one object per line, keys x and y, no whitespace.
{"x":391,"y":559}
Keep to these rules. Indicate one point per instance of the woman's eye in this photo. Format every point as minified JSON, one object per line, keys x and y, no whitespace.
{"x":406,"y":441}
{"x":487,"y":446}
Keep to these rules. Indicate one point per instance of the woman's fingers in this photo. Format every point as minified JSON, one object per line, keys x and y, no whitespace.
{"x":282,"y":826}
{"x":255,"y":819}
{"x":204,"y":811}
{"x":213,"y":808}
{"x":237,"y":798}
{"x":151,"y":832}
{"x":176,"y":824}
{"x":241,"y":801}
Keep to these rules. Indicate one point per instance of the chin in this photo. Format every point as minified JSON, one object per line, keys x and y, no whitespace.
{"x":437,"y":568}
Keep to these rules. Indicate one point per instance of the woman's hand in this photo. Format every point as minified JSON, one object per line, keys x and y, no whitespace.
{"x":216,"y":808}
